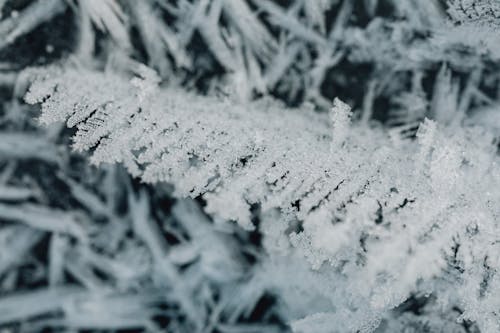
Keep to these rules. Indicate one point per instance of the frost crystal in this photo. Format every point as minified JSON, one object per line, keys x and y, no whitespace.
{"x":377,"y":217}
{"x":306,"y":165}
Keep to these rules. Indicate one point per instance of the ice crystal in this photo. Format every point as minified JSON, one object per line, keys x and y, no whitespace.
{"x":355,"y":141}
{"x":377,"y":214}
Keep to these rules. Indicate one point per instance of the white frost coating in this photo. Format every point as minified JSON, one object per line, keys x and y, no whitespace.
{"x":355,"y":229}
{"x":341,"y":119}
{"x":378,"y":216}
{"x":28,"y":19}
{"x":108,"y":16}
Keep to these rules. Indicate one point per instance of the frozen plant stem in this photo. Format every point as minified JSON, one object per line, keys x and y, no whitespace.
{"x":356,"y":191}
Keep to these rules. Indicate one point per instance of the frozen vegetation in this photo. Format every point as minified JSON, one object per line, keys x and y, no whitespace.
{"x":250,"y":166}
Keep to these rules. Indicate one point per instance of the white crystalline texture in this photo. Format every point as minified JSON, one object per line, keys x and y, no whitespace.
{"x":351,"y":225}
{"x":485,"y":12}
{"x":377,"y":218}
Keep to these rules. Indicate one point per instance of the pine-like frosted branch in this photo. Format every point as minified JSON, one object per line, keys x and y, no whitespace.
{"x":382,"y":210}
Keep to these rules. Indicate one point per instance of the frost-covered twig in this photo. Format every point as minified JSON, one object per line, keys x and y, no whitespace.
{"x":43,"y":218}
{"x":29,"y":18}
{"x":358,"y":196}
